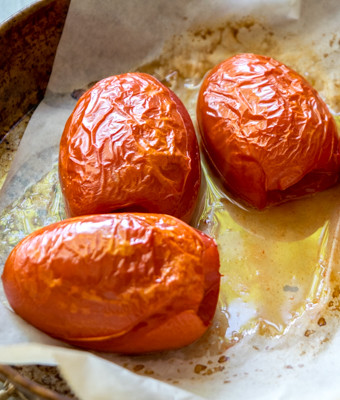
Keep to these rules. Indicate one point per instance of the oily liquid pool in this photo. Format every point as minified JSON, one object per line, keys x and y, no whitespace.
{"x":273,"y":262}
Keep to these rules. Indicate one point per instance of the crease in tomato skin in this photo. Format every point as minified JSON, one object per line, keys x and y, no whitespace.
{"x":302,"y":134}
{"x":81,"y":301}
{"x":148,"y":336}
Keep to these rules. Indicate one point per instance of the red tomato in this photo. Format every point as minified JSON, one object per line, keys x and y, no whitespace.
{"x":126,"y":283}
{"x":267,"y":131}
{"x":130,"y":145}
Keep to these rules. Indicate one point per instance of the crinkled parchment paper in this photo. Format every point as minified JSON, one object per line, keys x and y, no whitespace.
{"x":275,"y":334}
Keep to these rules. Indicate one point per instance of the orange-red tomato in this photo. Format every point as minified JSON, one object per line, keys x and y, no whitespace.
{"x":126,"y":283}
{"x":267,"y":131}
{"x":130,"y":145}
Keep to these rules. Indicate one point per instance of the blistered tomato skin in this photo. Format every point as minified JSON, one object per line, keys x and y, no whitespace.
{"x":267,"y":131}
{"x":127,"y":283}
{"x":130,"y":145}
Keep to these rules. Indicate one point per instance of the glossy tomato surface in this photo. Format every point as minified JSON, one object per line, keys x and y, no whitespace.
{"x":129,"y":145}
{"x":126,"y":283}
{"x":267,"y":131}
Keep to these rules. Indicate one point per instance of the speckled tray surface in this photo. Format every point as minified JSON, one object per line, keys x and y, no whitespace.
{"x":33,"y":382}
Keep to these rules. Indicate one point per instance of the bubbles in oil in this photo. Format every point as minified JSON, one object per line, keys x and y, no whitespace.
{"x":39,"y":206}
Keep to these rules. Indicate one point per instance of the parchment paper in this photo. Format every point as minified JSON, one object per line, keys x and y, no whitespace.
{"x":117,"y":36}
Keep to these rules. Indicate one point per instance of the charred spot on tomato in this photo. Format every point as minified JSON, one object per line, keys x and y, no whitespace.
{"x":129,"y":142}
{"x":266,"y":131}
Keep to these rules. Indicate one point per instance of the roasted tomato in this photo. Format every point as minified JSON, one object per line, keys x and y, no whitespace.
{"x":129,"y":145}
{"x":267,"y":131}
{"x":127,"y":283}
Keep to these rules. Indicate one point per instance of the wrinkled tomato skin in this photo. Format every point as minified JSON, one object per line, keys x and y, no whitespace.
{"x":127,"y":283}
{"x":130,"y":145}
{"x":266,"y":131}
